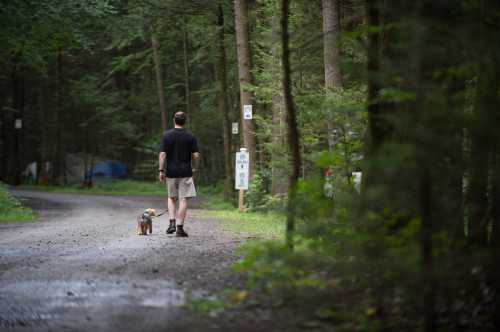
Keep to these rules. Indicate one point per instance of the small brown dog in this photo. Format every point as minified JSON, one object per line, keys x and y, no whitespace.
{"x":145,"y":222}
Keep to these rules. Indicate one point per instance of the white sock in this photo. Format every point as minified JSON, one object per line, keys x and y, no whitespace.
{"x":180,"y":222}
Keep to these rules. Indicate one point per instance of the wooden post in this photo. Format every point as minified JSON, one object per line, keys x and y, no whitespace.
{"x":241,"y":201}
{"x":242,"y":169}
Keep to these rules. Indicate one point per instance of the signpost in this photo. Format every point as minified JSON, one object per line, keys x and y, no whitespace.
{"x":242,"y":175}
{"x":247,"y":112}
{"x":243,"y":162}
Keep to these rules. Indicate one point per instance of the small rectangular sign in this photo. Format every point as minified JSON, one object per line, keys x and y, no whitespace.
{"x":247,"y":112}
{"x":242,"y":174}
{"x":18,"y":124}
{"x":235,"y":128}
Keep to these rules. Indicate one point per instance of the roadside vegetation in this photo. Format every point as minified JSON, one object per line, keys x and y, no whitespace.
{"x":256,"y":223}
{"x":11,"y":208}
{"x":402,"y":95}
{"x":108,"y":187}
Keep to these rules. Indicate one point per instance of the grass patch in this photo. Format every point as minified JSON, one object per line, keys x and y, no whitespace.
{"x":110,"y":187}
{"x":11,"y":209}
{"x":270,"y":225}
{"x":263,"y":225}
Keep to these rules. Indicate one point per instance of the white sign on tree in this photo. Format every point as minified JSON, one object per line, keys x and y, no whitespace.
{"x":235,"y":128}
{"x":242,"y":167}
{"x":247,"y":112}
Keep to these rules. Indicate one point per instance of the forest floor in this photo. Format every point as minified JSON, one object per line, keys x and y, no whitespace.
{"x":82,"y":267}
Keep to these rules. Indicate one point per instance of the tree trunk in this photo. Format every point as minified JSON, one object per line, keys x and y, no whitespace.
{"x":187,"y":90}
{"x":56,"y":158}
{"x":481,"y":138}
{"x":12,"y":173}
{"x":426,"y":248}
{"x":278,"y":170}
{"x":494,"y":270}
{"x":495,"y":199}
{"x":222,"y":102}
{"x":331,"y":54}
{"x":3,"y":137}
{"x":333,"y":77}
{"x":376,"y":124}
{"x":244,"y":66}
{"x":293,"y":131}
{"x":159,"y":81}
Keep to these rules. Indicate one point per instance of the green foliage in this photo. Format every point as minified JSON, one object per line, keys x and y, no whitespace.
{"x":11,"y":208}
{"x":206,"y":305}
{"x":109,"y":187}
{"x":212,"y":197}
{"x":255,"y":195}
{"x":330,"y":259}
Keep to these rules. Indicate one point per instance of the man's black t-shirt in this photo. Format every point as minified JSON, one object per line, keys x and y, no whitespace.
{"x":178,"y":144}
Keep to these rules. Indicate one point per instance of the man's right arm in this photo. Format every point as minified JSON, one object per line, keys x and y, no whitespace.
{"x":161,"y":168}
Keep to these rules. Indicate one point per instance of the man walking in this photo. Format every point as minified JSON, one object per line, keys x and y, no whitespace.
{"x":180,"y":148}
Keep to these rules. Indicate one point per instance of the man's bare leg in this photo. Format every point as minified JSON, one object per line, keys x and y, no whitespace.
{"x":171,"y":207}
{"x":183,"y":206}
{"x":171,"y":213}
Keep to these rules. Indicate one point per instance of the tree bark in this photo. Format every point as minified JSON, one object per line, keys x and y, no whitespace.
{"x":3,"y":138}
{"x":12,"y":146}
{"x":222,"y":102}
{"x":279,"y":183}
{"x":187,"y":90}
{"x":57,"y":155}
{"x":331,"y":55}
{"x":244,"y":66}
{"x":481,"y":138}
{"x":426,"y":248}
{"x":333,"y":77}
{"x":293,"y":131}
{"x":159,"y":81}
{"x":376,"y":125}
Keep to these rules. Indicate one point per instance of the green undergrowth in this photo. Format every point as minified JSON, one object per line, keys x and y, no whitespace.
{"x":265,"y":225}
{"x":214,"y":305}
{"x":11,"y":209}
{"x":111,"y":187}
{"x":261,"y":225}
{"x":213,"y":198}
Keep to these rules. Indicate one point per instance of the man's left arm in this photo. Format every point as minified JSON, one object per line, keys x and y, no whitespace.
{"x":196,"y":162}
{"x":195,"y":156}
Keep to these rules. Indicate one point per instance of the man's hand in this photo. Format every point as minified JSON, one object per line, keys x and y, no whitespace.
{"x":161,"y":177}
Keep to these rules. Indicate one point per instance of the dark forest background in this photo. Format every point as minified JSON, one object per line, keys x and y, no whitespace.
{"x":405,"y":92}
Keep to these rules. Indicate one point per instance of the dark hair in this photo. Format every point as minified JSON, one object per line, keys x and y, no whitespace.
{"x":180,"y":118}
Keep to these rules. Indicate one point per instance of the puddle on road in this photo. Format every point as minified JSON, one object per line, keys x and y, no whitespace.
{"x":62,"y":293}
{"x":29,"y":303}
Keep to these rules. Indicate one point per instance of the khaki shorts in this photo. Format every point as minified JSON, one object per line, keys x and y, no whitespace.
{"x":181,"y":187}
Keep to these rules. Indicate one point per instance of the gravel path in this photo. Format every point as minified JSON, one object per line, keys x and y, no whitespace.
{"x":82,"y":267}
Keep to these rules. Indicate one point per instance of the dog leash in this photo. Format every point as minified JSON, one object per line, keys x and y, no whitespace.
{"x":161,"y":214}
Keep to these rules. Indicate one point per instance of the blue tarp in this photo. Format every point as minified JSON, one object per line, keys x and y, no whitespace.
{"x":110,"y":169}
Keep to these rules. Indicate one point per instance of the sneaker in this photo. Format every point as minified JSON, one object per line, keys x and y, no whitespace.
{"x":180,"y":232}
{"x":171,"y":228}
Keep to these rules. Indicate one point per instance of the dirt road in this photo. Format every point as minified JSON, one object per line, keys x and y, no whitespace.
{"x":81,"y":266}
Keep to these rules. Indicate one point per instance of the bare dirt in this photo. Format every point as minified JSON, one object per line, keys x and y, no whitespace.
{"x":82,"y":267}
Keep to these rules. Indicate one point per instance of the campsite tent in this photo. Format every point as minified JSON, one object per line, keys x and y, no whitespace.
{"x":109,"y":169}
